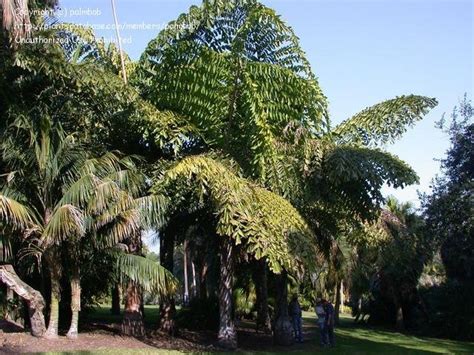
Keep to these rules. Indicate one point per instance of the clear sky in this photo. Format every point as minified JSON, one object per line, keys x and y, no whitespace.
{"x":362,"y":51}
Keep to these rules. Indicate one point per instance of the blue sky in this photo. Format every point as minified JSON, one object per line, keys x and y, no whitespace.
{"x":363,"y":52}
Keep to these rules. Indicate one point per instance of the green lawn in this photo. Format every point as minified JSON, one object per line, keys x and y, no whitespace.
{"x":350,"y":338}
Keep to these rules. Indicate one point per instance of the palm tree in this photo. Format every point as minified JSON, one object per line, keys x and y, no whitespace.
{"x":236,"y":71}
{"x":237,"y":74}
{"x":62,"y":195}
{"x":259,"y":222}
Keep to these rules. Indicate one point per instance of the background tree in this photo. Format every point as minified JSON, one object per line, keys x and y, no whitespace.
{"x":449,"y":212}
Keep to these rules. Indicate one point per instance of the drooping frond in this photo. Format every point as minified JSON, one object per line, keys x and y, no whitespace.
{"x":66,"y":221}
{"x":350,"y":178}
{"x":383,"y":122}
{"x":266,"y":224}
{"x":147,"y":273}
{"x":14,"y":213}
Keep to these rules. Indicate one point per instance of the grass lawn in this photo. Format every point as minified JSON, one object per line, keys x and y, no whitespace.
{"x":350,"y":339}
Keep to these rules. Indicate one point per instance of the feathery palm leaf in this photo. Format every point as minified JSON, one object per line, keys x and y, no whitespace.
{"x":383,"y":122}
{"x":148,"y":274}
{"x":266,"y":224}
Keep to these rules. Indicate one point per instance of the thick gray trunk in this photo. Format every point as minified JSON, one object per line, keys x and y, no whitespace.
{"x":283,"y":330}
{"x":33,"y":298}
{"x":227,"y":336}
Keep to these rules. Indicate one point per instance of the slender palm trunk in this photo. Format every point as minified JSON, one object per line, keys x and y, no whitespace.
{"x":193,"y":285}
{"x":283,"y":333}
{"x":261,"y":283}
{"x":337,"y":306}
{"x":52,"y":331}
{"x":399,"y":317}
{"x":75,"y":303}
{"x":167,"y":306}
{"x":116,"y":296}
{"x":203,"y":281}
{"x":132,"y":324}
{"x":185,"y":268}
{"x":227,"y":336}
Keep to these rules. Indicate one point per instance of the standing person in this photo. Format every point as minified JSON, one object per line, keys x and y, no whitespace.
{"x":296,"y":314}
{"x":329,"y":322}
{"x":321,"y":322}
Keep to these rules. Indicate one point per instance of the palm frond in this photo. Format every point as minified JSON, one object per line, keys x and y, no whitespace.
{"x":14,"y":213}
{"x":66,"y":221}
{"x":148,"y":274}
{"x":266,"y":224}
{"x":383,"y":122}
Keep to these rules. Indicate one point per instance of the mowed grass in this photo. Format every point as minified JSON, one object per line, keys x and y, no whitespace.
{"x":351,"y":338}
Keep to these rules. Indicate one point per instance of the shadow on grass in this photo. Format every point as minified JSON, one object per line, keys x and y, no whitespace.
{"x":351,"y":338}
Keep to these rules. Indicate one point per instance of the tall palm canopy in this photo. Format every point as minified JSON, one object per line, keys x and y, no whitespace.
{"x":237,"y":72}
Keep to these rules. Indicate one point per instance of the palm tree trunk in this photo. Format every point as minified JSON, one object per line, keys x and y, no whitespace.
{"x":119,"y":42}
{"x":10,"y":314}
{"x":283,"y":332}
{"x":116,"y":296}
{"x":337,"y":306}
{"x":132,"y":324}
{"x":194,"y":284}
{"x":203,"y":281}
{"x":185,"y":268}
{"x":261,"y":283}
{"x":16,"y":19}
{"x":167,"y":306}
{"x":33,"y":298}
{"x":399,"y":317}
{"x":227,"y":336}
{"x":75,"y":303}
{"x":52,"y":331}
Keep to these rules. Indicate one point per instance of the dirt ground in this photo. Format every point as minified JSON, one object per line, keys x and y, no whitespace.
{"x":103,"y":339}
{"x":14,"y":343}
{"x":107,"y":337}
{"x":104,"y":336}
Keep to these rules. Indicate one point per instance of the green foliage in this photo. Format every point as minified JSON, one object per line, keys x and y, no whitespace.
{"x":86,"y":202}
{"x":244,"y":301}
{"x":147,"y":273}
{"x":385,"y":272}
{"x":449,"y":215}
{"x":265,"y":223}
{"x":235,"y":70}
{"x":383,"y":122}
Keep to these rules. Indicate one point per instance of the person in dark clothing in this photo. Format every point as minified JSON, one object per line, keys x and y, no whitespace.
{"x":294,"y":309}
{"x":329,"y":323}
{"x":321,"y":314}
